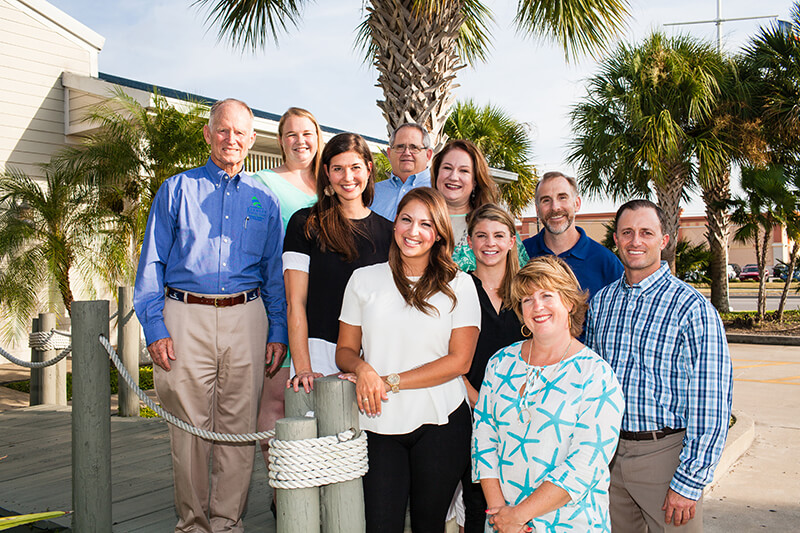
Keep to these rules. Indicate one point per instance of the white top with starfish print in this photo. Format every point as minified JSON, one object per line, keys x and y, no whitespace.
{"x":563,"y":429}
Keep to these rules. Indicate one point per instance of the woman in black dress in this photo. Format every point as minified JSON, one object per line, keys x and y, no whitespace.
{"x":492,"y":237}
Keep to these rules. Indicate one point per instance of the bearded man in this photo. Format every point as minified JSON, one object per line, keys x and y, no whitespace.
{"x":557,"y":201}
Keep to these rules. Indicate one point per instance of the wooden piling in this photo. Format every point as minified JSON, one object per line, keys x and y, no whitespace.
{"x":91,"y":427}
{"x":128,"y":344}
{"x":297,"y":403}
{"x":54,"y":377}
{"x":336,"y":411}
{"x":35,"y":394}
{"x":298,"y":509}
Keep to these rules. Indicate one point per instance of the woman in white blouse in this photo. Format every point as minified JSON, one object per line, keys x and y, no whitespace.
{"x":417,"y":320}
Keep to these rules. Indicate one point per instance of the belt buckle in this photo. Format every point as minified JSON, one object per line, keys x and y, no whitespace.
{"x":216,"y":301}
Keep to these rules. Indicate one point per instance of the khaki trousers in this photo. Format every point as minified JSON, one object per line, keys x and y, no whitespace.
{"x":214,"y":384}
{"x":640,"y":475}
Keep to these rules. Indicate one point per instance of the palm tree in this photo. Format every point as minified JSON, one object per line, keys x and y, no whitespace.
{"x":46,"y":232}
{"x":774,"y":55}
{"x":641,"y":128}
{"x":739,"y":138}
{"x":771,"y":65}
{"x":765,"y":203}
{"x":418,"y":46}
{"x":134,"y":150}
{"x":505,"y":142}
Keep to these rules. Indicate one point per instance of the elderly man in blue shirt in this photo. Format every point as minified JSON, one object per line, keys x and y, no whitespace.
{"x":209,"y":294}
{"x":667,"y":346}
{"x":409,"y":153}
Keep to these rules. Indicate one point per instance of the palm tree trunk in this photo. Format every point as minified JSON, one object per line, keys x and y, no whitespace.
{"x":63,"y":285}
{"x":669,"y":194}
{"x":789,"y":273}
{"x":417,"y":59}
{"x":761,"y":259}
{"x":716,"y":194}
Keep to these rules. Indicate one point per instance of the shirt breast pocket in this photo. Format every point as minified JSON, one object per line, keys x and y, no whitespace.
{"x":254,"y":237}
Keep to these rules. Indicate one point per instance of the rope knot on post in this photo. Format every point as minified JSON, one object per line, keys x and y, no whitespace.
{"x":316,"y":462}
{"x":48,"y":340}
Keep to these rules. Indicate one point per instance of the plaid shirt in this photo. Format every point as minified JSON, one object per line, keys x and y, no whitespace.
{"x":667,"y":346}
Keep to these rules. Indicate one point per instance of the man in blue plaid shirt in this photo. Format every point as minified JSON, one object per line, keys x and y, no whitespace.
{"x":667,"y":346}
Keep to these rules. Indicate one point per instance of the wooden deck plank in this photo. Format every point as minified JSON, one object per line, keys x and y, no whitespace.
{"x":37,"y":473}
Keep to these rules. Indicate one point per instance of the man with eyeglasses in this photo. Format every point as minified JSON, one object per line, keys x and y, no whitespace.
{"x":409,"y":153}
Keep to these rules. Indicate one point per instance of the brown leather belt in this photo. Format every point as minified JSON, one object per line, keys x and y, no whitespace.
{"x":222,"y":301}
{"x":649,"y":435}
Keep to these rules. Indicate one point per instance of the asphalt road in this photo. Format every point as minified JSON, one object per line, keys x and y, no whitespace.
{"x":749,"y":303}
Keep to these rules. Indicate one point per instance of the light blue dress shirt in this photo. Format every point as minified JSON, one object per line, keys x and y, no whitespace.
{"x":388,"y":193}
{"x":667,"y":345}
{"x":209,"y":233}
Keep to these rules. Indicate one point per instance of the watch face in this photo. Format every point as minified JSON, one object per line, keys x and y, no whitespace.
{"x":393,"y":379}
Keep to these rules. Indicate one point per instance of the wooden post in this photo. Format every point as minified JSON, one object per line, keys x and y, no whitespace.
{"x":91,"y":425}
{"x":297,"y":403}
{"x":54,"y":377}
{"x":336,"y":411}
{"x":35,"y":395}
{"x":128,"y":344}
{"x":298,"y":509}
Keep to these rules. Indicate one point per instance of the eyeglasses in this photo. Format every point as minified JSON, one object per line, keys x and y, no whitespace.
{"x":413,"y":148}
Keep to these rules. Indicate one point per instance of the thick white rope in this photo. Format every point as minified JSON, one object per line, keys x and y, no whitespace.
{"x":300,"y":464}
{"x":44,"y":341}
{"x":293,"y":464}
{"x":36,"y":364}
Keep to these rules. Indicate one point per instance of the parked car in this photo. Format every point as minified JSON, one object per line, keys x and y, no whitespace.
{"x":732,"y":274}
{"x":749,"y":273}
{"x":735,"y":267}
{"x":779,"y":270}
{"x":795,"y":275}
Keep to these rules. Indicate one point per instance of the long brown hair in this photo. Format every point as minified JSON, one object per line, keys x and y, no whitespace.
{"x":498,"y":214}
{"x":441,"y":269}
{"x":486,"y":191}
{"x":300,"y":112}
{"x":326,"y":221}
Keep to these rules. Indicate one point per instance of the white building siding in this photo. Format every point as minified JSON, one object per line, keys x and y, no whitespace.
{"x":34,"y":52}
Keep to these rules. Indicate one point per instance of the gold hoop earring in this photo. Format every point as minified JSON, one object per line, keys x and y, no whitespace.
{"x":522,"y":330}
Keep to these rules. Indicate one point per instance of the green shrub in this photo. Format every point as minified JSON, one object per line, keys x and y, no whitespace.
{"x":145,"y":381}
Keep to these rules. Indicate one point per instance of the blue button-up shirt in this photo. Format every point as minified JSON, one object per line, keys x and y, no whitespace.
{"x":594,"y":265}
{"x":667,"y":345}
{"x":389,"y":192}
{"x":209,"y":233}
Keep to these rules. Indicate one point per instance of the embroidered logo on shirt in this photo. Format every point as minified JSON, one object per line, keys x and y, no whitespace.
{"x":256,"y":203}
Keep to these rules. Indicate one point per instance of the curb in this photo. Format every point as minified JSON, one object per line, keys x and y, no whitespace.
{"x":740,"y":437}
{"x":778,"y":340}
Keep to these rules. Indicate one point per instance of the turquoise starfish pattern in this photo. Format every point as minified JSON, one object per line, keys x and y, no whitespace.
{"x":563,"y":430}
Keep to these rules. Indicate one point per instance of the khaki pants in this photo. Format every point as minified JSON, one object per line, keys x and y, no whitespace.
{"x":214,"y":384}
{"x":640,"y":475}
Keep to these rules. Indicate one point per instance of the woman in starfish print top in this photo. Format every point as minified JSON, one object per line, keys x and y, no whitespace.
{"x":547,"y":419}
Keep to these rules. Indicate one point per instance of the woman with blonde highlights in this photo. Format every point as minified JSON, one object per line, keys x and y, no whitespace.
{"x":407,"y":334}
{"x":548,"y":414}
{"x":461,"y":174}
{"x":493,"y":241}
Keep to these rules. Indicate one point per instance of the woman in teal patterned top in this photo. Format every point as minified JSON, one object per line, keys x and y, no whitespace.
{"x":295,"y":185}
{"x":547,"y":420}
{"x":461,"y":174}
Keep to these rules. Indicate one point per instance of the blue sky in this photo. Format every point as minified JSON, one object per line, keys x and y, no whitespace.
{"x":316,"y":66}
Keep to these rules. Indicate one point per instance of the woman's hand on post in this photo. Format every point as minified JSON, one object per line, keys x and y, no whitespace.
{"x":305,"y":378}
